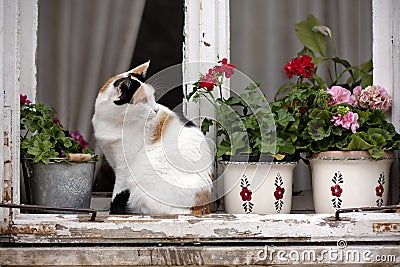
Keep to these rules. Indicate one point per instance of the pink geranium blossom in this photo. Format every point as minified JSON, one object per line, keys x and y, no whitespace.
{"x":348,"y":121}
{"x":340,"y":95}
{"x":227,"y":68}
{"x":374,"y":97}
{"x":356,"y":94}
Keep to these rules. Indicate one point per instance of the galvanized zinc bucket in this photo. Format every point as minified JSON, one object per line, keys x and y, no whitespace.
{"x":61,"y":184}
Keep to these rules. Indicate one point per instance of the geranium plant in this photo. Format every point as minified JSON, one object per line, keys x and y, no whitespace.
{"x":245,"y":123}
{"x":342,"y":112}
{"x":43,"y":138}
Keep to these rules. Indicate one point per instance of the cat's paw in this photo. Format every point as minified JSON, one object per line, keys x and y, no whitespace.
{"x":118,"y":204}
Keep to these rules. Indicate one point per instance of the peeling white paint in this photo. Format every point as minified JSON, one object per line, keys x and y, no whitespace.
{"x":288,"y":228}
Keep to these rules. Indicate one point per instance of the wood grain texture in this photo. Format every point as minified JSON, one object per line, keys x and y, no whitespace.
{"x":197,"y":255}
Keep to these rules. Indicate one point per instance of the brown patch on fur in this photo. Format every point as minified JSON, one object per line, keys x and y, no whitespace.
{"x":198,"y":210}
{"x":110,"y":81}
{"x":139,"y":96}
{"x":202,"y":200}
{"x":162,"y":125}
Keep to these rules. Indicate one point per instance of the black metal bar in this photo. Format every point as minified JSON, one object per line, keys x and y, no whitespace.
{"x":36,"y":207}
{"x":362,"y":209}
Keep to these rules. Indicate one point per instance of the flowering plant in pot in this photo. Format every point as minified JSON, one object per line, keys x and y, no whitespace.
{"x":255,"y":142}
{"x":342,"y":118}
{"x":43,"y":137}
{"x":245,"y":123}
{"x":50,"y":157}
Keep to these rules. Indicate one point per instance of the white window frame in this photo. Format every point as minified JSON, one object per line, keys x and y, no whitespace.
{"x":176,"y":239}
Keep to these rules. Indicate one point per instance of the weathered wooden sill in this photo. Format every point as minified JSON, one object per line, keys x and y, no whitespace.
{"x":223,"y":239}
{"x":215,"y":228}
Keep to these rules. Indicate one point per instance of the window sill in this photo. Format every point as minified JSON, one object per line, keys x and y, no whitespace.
{"x":209,"y":229}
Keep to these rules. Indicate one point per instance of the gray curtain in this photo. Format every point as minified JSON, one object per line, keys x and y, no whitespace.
{"x":263,"y":39}
{"x":80,"y":45}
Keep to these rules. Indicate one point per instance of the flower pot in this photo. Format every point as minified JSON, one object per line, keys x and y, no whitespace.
{"x":61,"y":184}
{"x":349,"y":179}
{"x":258,"y":187}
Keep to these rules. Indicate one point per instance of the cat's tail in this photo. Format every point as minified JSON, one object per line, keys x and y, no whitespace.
{"x":118,"y":204}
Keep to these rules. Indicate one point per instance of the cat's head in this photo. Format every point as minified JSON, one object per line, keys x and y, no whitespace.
{"x":128,"y":88}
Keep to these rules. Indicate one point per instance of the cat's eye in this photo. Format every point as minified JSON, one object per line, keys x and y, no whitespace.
{"x":143,"y":100}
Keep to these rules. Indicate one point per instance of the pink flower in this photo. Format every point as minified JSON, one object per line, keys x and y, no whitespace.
{"x":374,"y":97}
{"x":340,"y":95}
{"x":227,"y":68}
{"x":79,"y":138}
{"x":348,"y":121}
{"x":337,"y":120}
{"x":356,"y":94}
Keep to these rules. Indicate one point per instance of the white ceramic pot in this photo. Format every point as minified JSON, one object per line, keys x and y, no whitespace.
{"x":259,"y":187}
{"x":349,"y":179}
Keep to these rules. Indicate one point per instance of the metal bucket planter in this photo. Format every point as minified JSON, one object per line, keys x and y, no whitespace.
{"x":349,"y":179}
{"x":258,"y":187}
{"x":61,"y":184}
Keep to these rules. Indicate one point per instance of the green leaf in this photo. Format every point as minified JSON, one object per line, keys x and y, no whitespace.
{"x":231,"y":101}
{"x":223,"y":148}
{"x":40,"y":148}
{"x":381,"y":132}
{"x":313,"y":40}
{"x":266,"y":144}
{"x":360,"y":141}
{"x":252,"y":86}
{"x":317,"y":129}
{"x":195,"y":88}
{"x":238,"y":142}
{"x":205,"y":125}
{"x":250,"y":122}
{"x":284,"y":117}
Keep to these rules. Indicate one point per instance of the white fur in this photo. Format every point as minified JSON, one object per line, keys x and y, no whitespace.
{"x":162,"y":177}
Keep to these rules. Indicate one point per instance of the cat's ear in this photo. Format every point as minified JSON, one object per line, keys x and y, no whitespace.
{"x":140,"y":71}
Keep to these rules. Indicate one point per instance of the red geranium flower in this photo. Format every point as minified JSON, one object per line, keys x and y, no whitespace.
{"x":300,"y":66}
{"x":246,"y":194}
{"x":303,"y":110}
{"x":23,"y":99}
{"x":379,"y":190}
{"x":279,"y":191}
{"x":336,"y":190}
{"x":208,"y":82}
